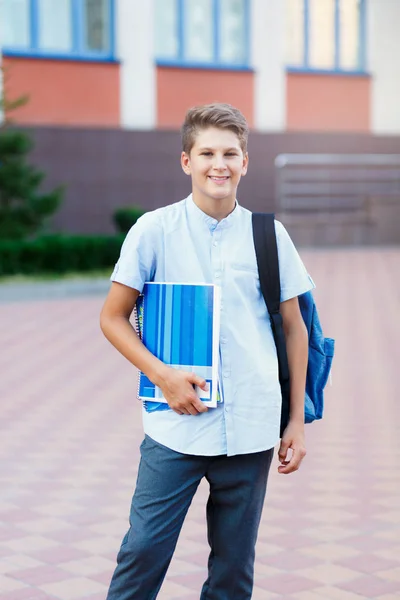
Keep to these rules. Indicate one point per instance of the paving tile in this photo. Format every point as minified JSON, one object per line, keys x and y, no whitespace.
{"x":370,"y":585}
{"x":287,"y":583}
{"x":368,"y":563}
{"x":98,"y":545}
{"x":17,"y":562}
{"x":291,"y":561}
{"x":333,"y":593}
{"x":306,"y":596}
{"x":31,"y":544}
{"x":392,"y":553}
{"x":9,"y":584}
{"x":172,"y":589}
{"x":66,"y":491}
{"x":27,"y":594}
{"x":89,"y":566}
{"x":260,"y":594}
{"x":43,"y":526}
{"x":331,"y":552}
{"x":183,"y":567}
{"x":73,"y":589}
{"x":39,"y":575}
{"x":328,"y":573}
{"x":390,"y":574}
{"x":188,"y":596}
{"x":59,"y":555}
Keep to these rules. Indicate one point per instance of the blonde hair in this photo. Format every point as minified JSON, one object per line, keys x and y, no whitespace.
{"x":222,"y":116}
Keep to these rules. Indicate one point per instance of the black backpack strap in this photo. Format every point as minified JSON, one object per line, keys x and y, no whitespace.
{"x":267,"y":259}
{"x":268,"y":269}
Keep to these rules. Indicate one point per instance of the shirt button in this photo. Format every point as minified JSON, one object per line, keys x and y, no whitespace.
{"x":215,"y":243}
{"x":226,"y":409}
{"x":223,"y":340}
{"x":217,"y":275}
{"x":225,"y":374}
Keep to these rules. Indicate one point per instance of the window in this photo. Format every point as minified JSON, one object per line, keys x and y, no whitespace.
{"x":202,"y":33}
{"x":326,"y":35}
{"x":73,"y":29}
{"x":15,"y":26}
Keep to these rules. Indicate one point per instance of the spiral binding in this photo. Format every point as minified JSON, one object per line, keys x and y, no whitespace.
{"x":138,"y":316}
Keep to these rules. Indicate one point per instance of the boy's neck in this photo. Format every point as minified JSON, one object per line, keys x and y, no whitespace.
{"x":217,"y":209}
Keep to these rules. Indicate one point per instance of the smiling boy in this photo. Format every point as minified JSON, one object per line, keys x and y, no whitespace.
{"x":208,"y":238}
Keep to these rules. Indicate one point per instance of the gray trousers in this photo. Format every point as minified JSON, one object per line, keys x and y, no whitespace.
{"x":166,"y":484}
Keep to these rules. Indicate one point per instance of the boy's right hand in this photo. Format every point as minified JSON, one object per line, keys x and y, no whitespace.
{"x":177,"y":388}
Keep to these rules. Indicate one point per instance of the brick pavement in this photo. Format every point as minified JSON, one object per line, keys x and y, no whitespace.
{"x":70,"y":430}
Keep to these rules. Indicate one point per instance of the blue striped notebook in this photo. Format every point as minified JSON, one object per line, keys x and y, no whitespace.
{"x":179,"y":323}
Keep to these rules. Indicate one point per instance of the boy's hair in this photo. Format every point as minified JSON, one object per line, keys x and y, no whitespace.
{"x":222,"y":116}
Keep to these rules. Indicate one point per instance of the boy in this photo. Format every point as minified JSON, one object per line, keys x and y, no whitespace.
{"x":208,"y":238}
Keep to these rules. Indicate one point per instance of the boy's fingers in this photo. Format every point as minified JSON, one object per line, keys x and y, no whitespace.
{"x":200,"y":381}
{"x":293,"y":464}
{"x":199,"y":406}
{"x":283,"y":450}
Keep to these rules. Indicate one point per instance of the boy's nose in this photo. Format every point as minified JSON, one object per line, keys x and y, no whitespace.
{"x":219,"y":163}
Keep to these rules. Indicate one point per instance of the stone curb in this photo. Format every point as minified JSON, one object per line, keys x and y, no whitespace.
{"x":26,"y":292}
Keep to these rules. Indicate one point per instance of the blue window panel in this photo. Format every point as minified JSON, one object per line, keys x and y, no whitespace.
{"x":199,"y":32}
{"x":340,"y":63}
{"x":233,"y":25}
{"x":54,"y":25}
{"x":166,"y":33}
{"x":73,"y":41}
{"x":16,"y":22}
{"x":321,"y":38}
{"x":203,"y":33}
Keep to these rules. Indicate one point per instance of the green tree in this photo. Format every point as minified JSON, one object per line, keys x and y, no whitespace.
{"x":23,"y":208}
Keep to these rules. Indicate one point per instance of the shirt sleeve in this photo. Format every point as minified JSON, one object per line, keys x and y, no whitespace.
{"x":137,"y":261}
{"x":293,"y":275}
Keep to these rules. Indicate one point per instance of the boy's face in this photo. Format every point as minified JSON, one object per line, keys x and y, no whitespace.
{"x":215,"y":163}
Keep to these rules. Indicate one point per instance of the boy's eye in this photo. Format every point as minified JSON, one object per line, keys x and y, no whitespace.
{"x":226,"y":154}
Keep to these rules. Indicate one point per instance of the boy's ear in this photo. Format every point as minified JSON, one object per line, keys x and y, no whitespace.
{"x":185,"y":163}
{"x":245,"y":163}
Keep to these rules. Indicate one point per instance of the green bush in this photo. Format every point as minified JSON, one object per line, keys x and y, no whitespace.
{"x":127,"y":216}
{"x":59,"y":254}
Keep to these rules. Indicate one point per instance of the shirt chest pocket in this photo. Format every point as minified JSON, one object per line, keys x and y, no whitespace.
{"x":245,"y":266}
{"x":245,"y":275}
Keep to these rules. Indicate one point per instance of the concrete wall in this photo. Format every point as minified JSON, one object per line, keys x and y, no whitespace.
{"x":384,"y":61}
{"x":134,"y":34}
{"x":106,"y":169}
{"x":268,"y":61}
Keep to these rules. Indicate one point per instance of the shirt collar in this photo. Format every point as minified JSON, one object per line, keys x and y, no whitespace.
{"x":211,"y":223}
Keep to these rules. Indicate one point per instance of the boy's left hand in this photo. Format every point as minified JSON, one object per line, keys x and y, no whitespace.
{"x":293,"y":438}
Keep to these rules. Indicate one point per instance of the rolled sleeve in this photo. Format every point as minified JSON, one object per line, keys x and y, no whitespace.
{"x":137,"y":261}
{"x":293,"y":275}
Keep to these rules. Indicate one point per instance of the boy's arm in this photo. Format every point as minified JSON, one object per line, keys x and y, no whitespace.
{"x":177,"y":386}
{"x":297,"y":351}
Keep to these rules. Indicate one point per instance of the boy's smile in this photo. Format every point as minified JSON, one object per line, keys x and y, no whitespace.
{"x":216,"y":163}
{"x":219,"y":180}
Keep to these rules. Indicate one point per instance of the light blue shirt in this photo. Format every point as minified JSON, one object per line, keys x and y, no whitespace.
{"x":180,"y":243}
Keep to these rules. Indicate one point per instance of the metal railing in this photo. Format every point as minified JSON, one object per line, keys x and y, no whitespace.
{"x":335,"y":185}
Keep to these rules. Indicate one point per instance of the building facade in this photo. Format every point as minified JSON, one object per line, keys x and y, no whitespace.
{"x":109,"y":82}
{"x":290,"y":65}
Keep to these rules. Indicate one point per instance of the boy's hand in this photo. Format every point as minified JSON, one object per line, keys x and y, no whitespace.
{"x":177,"y":388}
{"x":294,"y":438}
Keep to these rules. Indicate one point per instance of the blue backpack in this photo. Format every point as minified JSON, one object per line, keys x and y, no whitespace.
{"x":320,"y":349}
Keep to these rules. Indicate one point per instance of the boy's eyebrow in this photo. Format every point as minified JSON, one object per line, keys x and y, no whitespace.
{"x":225,"y":149}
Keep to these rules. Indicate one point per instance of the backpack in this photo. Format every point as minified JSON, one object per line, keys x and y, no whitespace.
{"x":320,"y":349}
